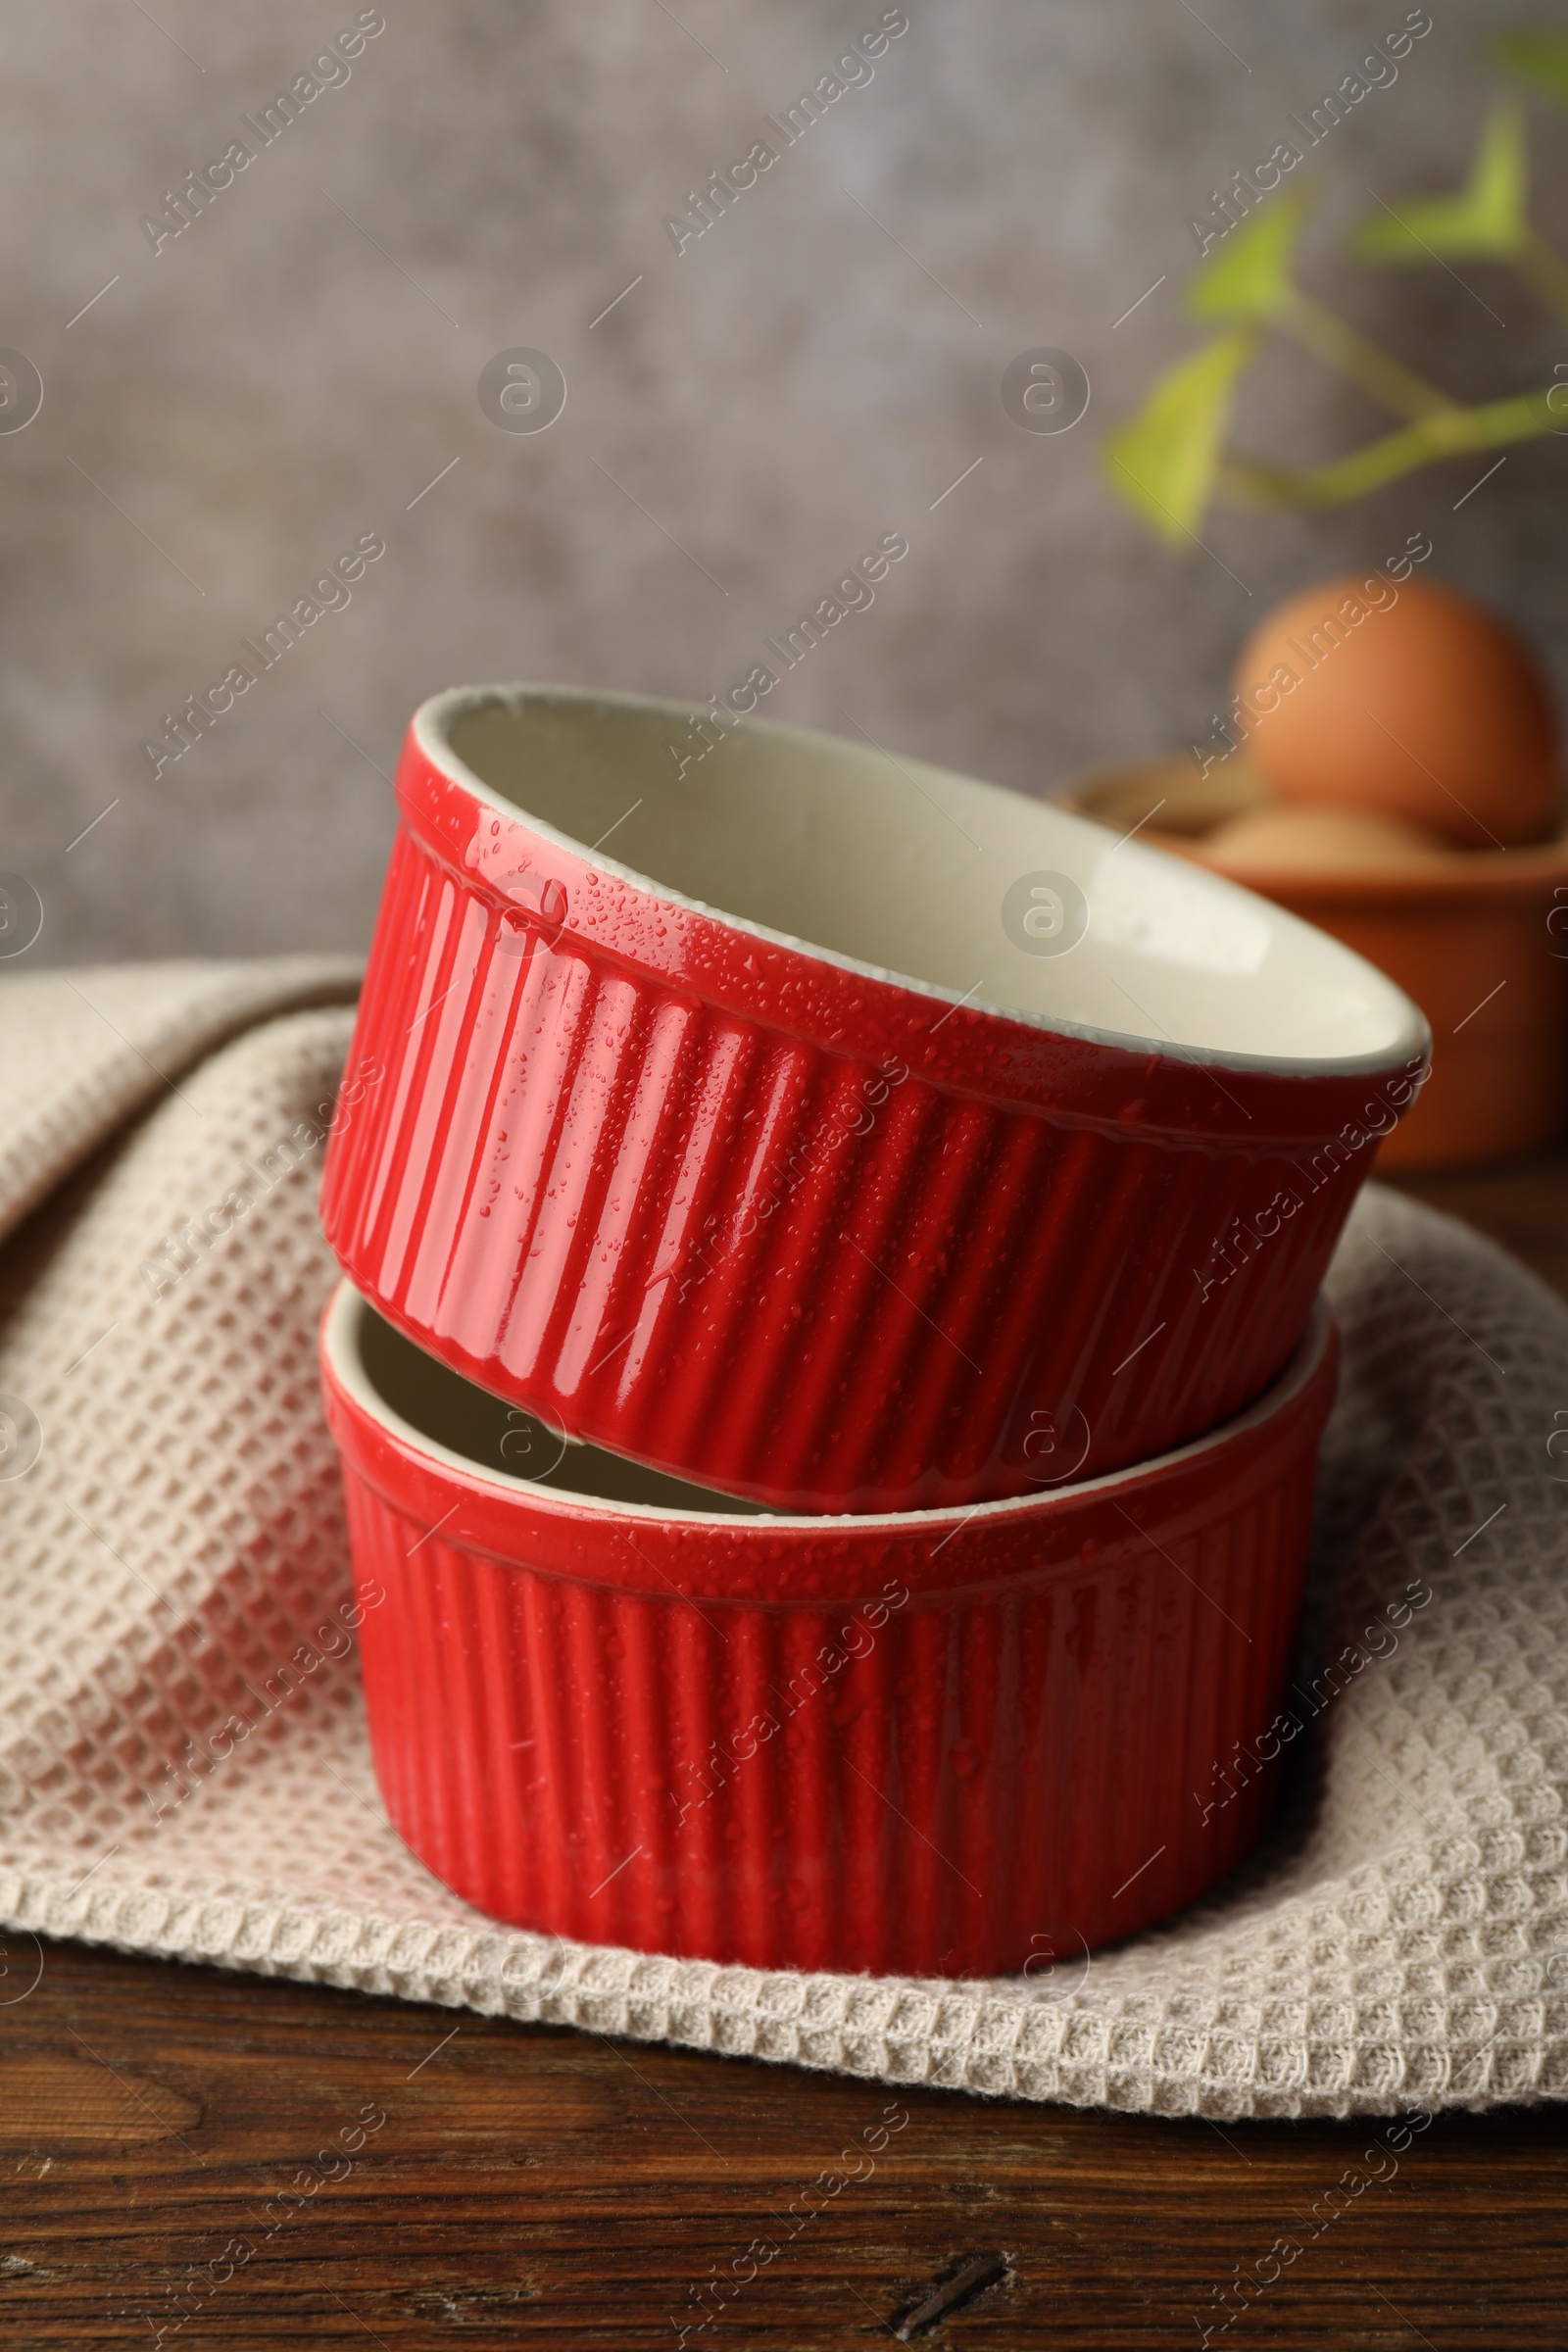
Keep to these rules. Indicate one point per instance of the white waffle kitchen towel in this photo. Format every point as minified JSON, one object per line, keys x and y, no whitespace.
{"x":171,"y":1529}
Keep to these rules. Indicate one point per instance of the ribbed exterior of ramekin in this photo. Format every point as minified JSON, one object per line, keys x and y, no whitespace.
{"x":1001,"y":1777}
{"x":780,"y":1267}
{"x":978,"y":1775}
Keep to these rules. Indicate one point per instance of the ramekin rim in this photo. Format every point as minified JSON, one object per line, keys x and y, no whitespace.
{"x":342,"y":1361}
{"x":430,"y":727}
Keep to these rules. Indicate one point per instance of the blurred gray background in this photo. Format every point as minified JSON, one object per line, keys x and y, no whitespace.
{"x":292,"y":371}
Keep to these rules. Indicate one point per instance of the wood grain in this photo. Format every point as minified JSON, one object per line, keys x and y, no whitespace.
{"x":531,"y":2186}
{"x":527,"y":2185}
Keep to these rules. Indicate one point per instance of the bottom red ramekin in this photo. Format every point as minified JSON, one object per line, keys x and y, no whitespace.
{"x":615,"y":1707}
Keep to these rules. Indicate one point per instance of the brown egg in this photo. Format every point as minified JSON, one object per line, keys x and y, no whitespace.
{"x":1371,"y":694}
{"x":1282,"y":839}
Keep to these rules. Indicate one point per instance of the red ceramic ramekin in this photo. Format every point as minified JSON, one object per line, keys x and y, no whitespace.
{"x":619,"y":1708}
{"x":773,"y":1216}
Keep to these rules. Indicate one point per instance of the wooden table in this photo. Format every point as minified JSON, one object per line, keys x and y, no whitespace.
{"x":535,"y":2185}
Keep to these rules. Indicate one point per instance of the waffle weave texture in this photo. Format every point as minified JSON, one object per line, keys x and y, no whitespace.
{"x":174,"y":1562}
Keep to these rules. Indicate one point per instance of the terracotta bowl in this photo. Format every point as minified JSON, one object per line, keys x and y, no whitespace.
{"x":624,"y":1709}
{"x":1479,"y":944}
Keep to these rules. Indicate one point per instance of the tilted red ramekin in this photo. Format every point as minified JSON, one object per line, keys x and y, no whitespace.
{"x":927,"y":1742}
{"x":769,"y":1215}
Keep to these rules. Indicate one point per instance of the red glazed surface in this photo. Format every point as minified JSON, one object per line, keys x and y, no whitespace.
{"x":923,"y":1743}
{"x":789,"y":1226}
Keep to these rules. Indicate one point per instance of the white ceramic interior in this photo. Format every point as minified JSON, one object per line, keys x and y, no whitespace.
{"x":463,"y":1427}
{"x":896,"y":871}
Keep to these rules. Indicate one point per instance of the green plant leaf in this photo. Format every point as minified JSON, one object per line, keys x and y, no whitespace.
{"x":1487,"y":217}
{"x":1249,"y":275}
{"x":1539,"y":58}
{"x":1163,"y":460}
